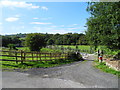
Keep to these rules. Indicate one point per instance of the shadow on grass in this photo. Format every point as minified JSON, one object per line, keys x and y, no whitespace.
{"x":10,"y":65}
{"x":39,"y":64}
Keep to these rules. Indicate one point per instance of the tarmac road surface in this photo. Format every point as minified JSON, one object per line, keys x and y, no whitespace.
{"x":75,"y":75}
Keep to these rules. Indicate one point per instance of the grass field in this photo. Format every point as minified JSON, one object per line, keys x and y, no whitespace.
{"x":82,"y":47}
{"x":27,"y":65}
{"x":37,"y":64}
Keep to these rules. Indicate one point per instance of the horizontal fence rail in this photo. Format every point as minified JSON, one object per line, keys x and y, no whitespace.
{"x":22,"y":56}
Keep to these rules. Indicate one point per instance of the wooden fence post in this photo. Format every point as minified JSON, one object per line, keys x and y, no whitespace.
{"x":63,"y":55}
{"x":37,"y":55}
{"x":21,"y":57}
{"x":40,"y":56}
{"x":32,"y":56}
{"x":24,"y":58}
{"x":59,"y":56}
{"x":16,"y":57}
{"x":50,"y":56}
{"x":45,"y":58}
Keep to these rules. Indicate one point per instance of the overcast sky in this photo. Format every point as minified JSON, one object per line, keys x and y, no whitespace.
{"x":43,"y":17}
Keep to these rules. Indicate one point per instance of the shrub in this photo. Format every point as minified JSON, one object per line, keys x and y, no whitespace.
{"x":12,"y":46}
{"x":74,"y":56}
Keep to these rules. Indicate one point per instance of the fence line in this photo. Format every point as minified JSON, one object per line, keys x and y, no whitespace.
{"x":71,"y":49}
{"x":22,"y":56}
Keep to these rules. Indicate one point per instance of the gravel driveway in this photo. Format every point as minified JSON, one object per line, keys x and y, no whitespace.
{"x":75,"y":75}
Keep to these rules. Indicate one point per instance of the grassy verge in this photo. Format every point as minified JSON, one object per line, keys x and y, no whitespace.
{"x":10,"y":65}
{"x":102,"y":66}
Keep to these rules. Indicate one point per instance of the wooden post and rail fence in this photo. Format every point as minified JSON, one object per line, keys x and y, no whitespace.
{"x":23,"y":56}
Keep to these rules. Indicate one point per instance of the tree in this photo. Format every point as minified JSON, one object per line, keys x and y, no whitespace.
{"x":103,"y":25}
{"x":82,"y":40}
{"x":50,"y":42}
{"x":6,"y":40}
{"x":12,"y":46}
{"x":16,"y":40}
{"x":35,"y":41}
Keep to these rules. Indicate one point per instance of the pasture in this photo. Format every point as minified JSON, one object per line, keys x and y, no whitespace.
{"x":82,"y":47}
{"x":45,"y":58}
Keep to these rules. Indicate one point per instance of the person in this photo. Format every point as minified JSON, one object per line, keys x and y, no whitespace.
{"x":100,"y":59}
{"x":98,"y":54}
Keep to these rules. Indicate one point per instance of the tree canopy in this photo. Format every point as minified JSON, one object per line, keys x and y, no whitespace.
{"x":6,"y":40}
{"x":35,"y":41}
{"x":104,"y":24}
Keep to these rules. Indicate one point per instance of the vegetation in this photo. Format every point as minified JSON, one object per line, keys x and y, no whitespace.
{"x":82,"y":47}
{"x":109,"y":53}
{"x":102,"y":66}
{"x":6,"y":65}
{"x":12,"y":46}
{"x":48,"y":50}
{"x":75,"y":57}
{"x":6,"y":40}
{"x":103,"y":33}
{"x":50,"y":39}
{"x":104,"y":24}
{"x":35,"y":41}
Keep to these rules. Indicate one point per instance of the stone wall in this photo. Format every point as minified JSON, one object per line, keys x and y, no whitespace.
{"x":114,"y":64}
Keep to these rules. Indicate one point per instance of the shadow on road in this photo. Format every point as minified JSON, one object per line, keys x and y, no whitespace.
{"x":88,"y":60}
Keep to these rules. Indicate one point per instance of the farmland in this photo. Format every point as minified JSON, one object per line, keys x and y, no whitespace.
{"x":81,"y":47}
{"x":45,"y":60}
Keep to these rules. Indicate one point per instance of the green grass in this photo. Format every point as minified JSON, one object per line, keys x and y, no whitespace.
{"x":36,"y":64}
{"x":105,"y":68}
{"x":6,"y":65}
{"x":82,"y":47}
{"x":48,"y":50}
{"x":23,"y":48}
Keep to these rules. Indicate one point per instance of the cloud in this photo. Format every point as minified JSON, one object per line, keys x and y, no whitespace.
{"x":35,"y":7}
{"x":12,"y":19}
{"x":44,"y":8}
{"x":75,"y":24}
{"x":42,"y":23}
{"x":20,"y":4}
{"x":35,"y":18}
{"x":73,"y":28}
{"x":47,"y":18}
{"x":0,"y":23}
{"x":61,"y":31}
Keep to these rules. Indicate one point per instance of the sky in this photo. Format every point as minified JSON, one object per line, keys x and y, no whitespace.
{"x":43,"y":17}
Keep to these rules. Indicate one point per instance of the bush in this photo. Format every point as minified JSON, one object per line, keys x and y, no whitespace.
{"x":110,"y":53}
{"x":12,"y":46}
{"x":74,"y":56}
